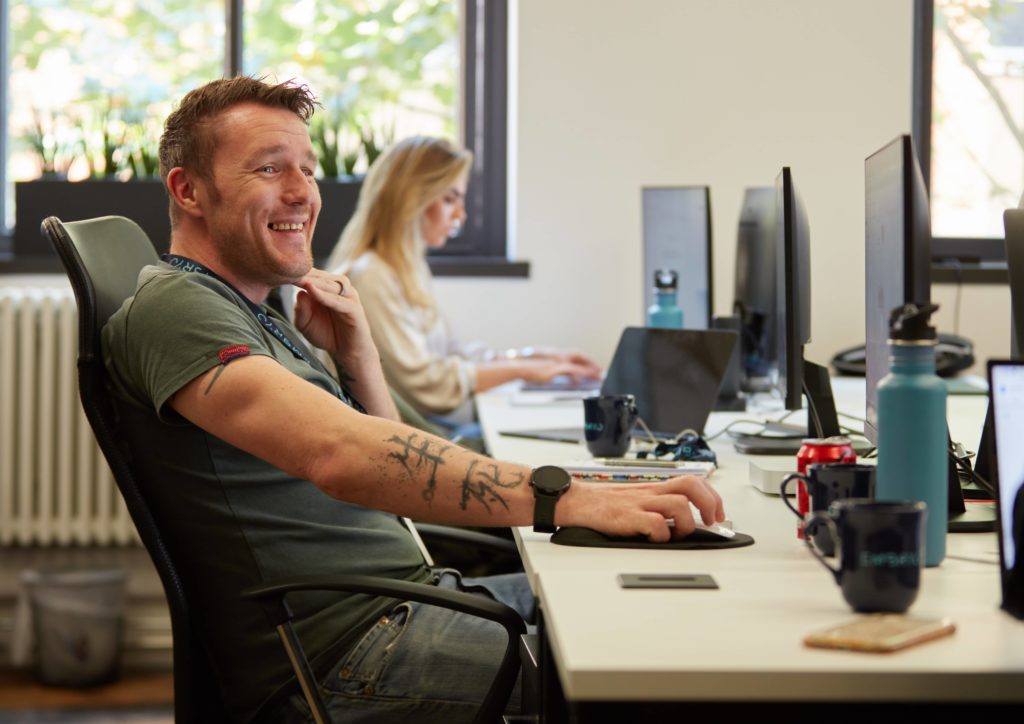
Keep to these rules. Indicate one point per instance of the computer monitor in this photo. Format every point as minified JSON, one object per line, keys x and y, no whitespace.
{"x":897,"y":271}
{"x":897,"y":255}
{"x":1006,"y":405}
{"x":754,"y":295}
{"x":1013,"y":226}
{"x":795,"y":378}
{"x":1013,"y":223}
{"x":677,"y":236}
{"x":793,"y":285}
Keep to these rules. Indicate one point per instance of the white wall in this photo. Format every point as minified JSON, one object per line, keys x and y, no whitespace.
{"x":609,"y":97}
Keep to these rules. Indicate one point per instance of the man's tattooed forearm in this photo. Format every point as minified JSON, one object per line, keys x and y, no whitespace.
{"x":483,"y":482}
{"x":415,"y":453}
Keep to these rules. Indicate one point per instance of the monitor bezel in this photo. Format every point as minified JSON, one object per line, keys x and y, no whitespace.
{"x":894,"y":167}
{"x":793,"y":289}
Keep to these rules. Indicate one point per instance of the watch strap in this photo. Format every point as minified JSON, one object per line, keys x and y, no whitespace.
{"x":544,"y":511}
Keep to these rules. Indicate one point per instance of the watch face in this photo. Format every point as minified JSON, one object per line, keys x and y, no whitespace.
{"x":550,"y":479}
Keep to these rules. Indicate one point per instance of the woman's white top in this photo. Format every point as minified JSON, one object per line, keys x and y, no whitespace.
{"x":421,"y":360}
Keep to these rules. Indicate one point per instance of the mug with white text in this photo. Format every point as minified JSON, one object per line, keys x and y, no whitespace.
{"x":879,"y":548}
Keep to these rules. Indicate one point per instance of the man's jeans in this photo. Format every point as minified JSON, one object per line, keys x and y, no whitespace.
{"x":422,"y":663}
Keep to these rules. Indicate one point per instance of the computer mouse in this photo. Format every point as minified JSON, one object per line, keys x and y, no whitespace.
{"x":716,"y":529}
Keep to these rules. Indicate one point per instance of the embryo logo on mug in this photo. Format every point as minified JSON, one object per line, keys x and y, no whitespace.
{"x":889,"y":560}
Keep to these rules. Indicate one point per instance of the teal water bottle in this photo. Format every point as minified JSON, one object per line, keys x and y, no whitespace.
{"x":912,"y":431}
{"x":665,"y":311}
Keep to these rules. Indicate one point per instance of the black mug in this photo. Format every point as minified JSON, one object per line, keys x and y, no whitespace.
{"x":608,"y":422}
{"x":827,"y":482}
{"x":880,"y":550}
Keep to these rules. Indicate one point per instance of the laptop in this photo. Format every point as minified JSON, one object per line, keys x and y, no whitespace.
{"x":675,"y":375}
{"x":1006,"y":398}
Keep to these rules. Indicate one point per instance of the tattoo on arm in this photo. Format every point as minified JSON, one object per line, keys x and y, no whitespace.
{"x":483,"y":482}
{"x":413,"y":456}
{"x":216,"y":374}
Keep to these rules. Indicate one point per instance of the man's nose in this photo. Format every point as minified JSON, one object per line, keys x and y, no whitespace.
{"x":298,"y":187}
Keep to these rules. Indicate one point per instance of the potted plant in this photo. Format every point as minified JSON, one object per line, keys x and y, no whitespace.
{"x":114,"y":151}
{"x":338,"y":148}
{"x":123,"y":167}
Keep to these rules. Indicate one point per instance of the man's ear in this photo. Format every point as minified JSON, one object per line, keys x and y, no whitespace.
{"x":186,"y":191}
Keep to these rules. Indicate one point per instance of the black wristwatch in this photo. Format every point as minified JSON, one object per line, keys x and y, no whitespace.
{"x":549,"y":484}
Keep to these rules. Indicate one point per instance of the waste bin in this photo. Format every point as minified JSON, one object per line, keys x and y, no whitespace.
{"x":77,"y":624}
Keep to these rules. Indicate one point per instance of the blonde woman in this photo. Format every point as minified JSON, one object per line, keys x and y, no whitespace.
{"x":412,"y":201}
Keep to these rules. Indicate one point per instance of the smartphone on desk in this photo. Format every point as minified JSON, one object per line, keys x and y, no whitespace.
{"x":880,"y":633}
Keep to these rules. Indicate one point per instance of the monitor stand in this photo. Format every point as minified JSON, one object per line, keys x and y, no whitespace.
{"x":978,"y":517}
{"x":822,"y":419}
{"x":983,"y":463}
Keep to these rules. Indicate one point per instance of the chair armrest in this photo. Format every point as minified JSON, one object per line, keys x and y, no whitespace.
{"x":271,"y":597}
{"x":402,"y":590}
{"x":469,"y":537}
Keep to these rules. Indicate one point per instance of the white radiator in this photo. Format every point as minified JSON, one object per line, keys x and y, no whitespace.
{"x":55,"y":486}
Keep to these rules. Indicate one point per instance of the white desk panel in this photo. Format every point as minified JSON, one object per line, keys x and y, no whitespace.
{"x":743,"y":641}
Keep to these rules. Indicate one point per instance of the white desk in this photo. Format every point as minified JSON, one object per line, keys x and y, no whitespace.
{"x":743,"y":641}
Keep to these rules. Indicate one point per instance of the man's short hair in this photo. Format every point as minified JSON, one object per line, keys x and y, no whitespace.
{"x":189,"y":136}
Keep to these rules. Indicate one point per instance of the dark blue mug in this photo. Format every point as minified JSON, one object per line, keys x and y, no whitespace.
{"x":827,"y":482}
{"x":608,"y":422}
{"x":879,"y":551}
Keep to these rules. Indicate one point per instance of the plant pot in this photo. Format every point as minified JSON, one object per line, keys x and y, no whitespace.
{"x":339,"y":197}
{"x":143,"y":201}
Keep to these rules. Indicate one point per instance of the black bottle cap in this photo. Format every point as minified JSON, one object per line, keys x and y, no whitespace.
{"x":666,"y":279}
{"x":909,"y":322}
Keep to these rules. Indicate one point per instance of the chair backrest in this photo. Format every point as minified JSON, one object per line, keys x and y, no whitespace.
{"x":102,"y":258}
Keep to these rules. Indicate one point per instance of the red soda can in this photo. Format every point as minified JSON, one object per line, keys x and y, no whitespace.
{"x":818,"y":450}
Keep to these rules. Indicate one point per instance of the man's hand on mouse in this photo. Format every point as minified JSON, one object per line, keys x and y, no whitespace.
{"x":632,"y":509}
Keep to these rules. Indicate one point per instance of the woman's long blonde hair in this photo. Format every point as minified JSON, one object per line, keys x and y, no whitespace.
{"x":401,"y":184}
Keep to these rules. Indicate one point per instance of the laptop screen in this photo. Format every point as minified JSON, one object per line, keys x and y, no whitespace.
{"x":1006,"y":385}
{"x":675,"y":375}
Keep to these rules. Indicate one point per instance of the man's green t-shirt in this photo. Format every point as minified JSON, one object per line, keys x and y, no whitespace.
{"x":232,"y":520}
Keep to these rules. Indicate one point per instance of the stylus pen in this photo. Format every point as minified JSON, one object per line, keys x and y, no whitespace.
{"x":637,"y":462}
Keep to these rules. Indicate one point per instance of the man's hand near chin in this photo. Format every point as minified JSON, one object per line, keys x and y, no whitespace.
{"x":329,"y":314}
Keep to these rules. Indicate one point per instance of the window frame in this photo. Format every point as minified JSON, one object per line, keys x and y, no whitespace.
{"x":958,"y":260}
{"x":482,"y":249}
{"x":4,"y":49}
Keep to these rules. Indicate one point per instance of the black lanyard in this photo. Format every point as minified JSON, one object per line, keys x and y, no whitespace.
{"x":183,"y":263}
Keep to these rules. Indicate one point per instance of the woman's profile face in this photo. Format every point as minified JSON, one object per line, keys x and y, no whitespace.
{"x":443,"y":218}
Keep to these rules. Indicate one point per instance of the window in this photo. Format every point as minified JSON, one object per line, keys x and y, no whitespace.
{"x":382,"y":70}
{"x":88,"y":83}
{"x":969,"y":121}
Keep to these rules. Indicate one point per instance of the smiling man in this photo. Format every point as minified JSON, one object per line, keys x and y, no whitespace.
{"x":261,"y":465}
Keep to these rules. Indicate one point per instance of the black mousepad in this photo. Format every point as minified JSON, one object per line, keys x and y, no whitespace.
{"x":698,"y":540}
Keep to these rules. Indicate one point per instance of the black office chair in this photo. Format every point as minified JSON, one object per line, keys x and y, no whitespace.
{"x":102,"y":258}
